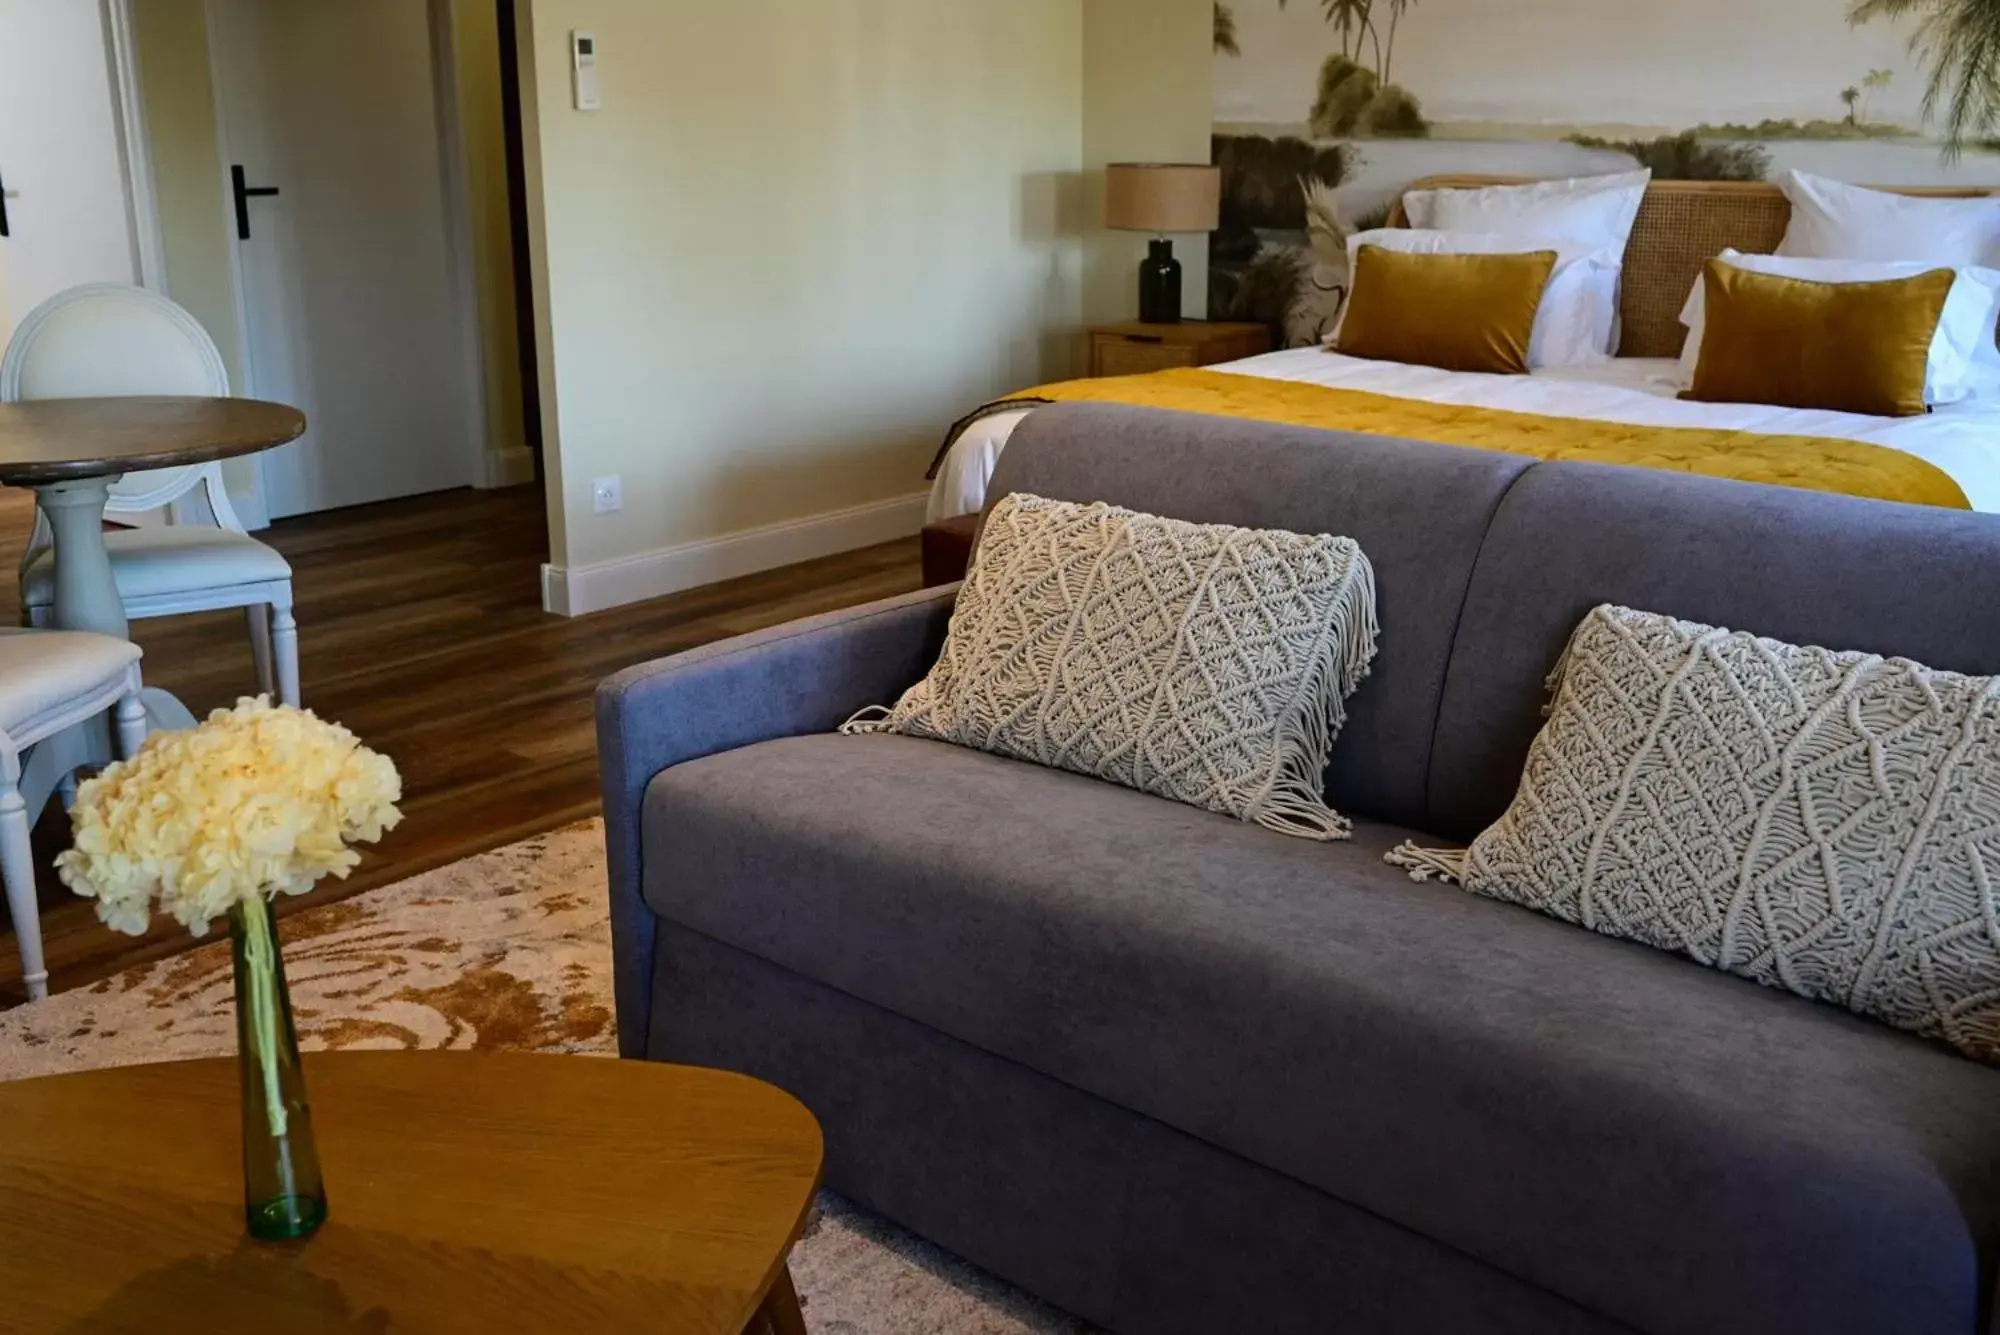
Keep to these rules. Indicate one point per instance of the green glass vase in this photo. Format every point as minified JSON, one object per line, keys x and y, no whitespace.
{"x":283,"y":1196}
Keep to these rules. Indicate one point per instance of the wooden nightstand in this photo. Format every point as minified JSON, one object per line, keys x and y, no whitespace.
{"x":1133,"y":348}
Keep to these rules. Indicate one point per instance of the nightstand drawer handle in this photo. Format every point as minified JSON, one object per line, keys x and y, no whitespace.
{"x":1144,"y":338}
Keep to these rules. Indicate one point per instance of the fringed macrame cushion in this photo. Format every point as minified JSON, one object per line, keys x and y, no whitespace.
{"x":1826,"y":823}
{"x":1197,"y":662}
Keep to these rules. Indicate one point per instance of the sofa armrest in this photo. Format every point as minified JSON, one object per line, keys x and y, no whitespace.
{"x":805,"y":677}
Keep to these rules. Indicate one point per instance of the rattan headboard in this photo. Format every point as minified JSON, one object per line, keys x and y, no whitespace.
{"x":1682,"y":225}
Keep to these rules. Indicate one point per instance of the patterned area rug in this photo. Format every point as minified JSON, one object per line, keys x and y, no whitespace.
{"x":508,"y":950}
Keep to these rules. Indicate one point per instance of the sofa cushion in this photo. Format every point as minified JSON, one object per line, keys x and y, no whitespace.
{"x":1811,"y":820}
{"x":1419,"y":510}
{"x":1205,"y":663}
{"x":1496,"y":1080}
{"x":1806,"y":567}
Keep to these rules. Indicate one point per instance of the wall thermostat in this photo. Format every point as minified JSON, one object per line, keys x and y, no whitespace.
{"x":583,"y":70}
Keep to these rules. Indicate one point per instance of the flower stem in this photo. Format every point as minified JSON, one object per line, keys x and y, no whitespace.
{"x":260,"y":954}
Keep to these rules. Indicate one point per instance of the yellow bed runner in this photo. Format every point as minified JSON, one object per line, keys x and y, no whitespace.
{"x":1849,"y":467}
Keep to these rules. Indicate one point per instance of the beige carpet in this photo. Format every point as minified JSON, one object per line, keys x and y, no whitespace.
{"x":509,"y":950}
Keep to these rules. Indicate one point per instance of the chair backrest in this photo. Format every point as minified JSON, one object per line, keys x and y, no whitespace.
{"x":109,"y":339}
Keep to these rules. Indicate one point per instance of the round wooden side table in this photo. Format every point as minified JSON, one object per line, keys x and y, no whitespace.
{"x":467,"y":1192}
{"x":70,"y":451}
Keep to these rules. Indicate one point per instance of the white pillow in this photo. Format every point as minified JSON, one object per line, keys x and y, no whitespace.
{"x":1575,"y":323}
{"x":1595,"y":211}
{"x":1834,"y":221}
{"x":1964,"y":361}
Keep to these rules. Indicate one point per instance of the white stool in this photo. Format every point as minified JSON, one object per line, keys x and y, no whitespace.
{"x":51,"y":681}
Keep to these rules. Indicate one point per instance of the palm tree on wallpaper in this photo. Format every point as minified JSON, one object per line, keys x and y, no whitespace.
{"x":1876,"y":81}
{"x":1396,"y":8}
{"x":1354,"y":21}
{"x":1225,"y":30}
{"x":1357,"y":23}
{"x":1850,"y":97}
{"x":1958,"y":42}
{"x":1358,"y":18}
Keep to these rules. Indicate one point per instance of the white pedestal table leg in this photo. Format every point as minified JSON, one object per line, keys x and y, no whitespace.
{"x":86,"y":592}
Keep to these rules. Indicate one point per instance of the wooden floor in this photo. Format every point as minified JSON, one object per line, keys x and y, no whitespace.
{"x":421,"y":628}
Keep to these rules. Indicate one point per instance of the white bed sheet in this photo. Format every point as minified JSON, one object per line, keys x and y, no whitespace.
{"x":1963,"y":440}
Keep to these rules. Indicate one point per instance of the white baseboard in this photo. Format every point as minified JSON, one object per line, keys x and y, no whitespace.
{"x":580,"y":590}
{"x":508,"y":468}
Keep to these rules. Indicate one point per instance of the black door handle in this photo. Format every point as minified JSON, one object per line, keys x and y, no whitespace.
{"x":3,"y":206}
{"x":244,"y":194}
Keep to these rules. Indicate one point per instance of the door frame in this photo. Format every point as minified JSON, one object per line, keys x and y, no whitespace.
{"x":461,"y":249}
{"x":149,"y":241}
{"x":142,"y":207}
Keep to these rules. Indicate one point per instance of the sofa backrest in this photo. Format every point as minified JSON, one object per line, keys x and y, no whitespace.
{"x":1800,"y":566}
{"x":1486,"y":562}
{"x":1419,"y":510}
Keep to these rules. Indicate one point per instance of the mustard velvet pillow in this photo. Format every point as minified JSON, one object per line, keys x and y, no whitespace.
{"x":1455,"y":312}
{"x":1795,"y":343}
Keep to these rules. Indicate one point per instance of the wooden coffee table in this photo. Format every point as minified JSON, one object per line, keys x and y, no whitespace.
{"x":468,"y":1192}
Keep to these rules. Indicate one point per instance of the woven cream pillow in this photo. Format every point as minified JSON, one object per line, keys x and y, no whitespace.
{"x":1827,"y":823}
{"x":1198,"y":662}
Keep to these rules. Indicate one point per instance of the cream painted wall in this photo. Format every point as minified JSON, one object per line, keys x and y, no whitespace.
{"x":60,"y":145}
{"x":797,"y":240}
{"x":1148,"y":75}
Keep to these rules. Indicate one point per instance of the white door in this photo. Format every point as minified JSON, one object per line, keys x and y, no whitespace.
{"x":350,"y":308}
{"x":62,"y":170}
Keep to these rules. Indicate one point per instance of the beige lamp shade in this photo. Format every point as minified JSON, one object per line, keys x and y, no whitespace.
{"x":1162,"y":197}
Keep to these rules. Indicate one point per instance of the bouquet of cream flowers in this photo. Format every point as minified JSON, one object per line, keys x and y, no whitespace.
{"x":258,"y":801}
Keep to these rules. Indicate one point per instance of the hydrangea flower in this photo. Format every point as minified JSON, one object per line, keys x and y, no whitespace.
{"x":259,"y":800}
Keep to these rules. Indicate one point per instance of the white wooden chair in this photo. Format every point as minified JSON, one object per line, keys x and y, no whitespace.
{"x":110,"y":339}
{"x":51,"y":681}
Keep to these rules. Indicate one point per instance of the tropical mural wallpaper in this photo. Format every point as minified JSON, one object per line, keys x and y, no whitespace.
{"x":1326,"y":109}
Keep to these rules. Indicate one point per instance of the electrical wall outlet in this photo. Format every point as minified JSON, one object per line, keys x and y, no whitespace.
{"x":607,"y":495}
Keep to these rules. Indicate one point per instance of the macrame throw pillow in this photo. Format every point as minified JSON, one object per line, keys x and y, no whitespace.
{"x":1826,"y":823}
{"x":1198,"y":662}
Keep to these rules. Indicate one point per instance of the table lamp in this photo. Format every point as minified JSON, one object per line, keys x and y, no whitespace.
{"x":1161,"y":197}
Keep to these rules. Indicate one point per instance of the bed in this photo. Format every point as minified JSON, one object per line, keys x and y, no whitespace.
{"x":1680,"y":226}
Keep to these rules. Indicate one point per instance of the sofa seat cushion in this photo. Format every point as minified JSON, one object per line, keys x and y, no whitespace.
{"x":1669,"y":1146}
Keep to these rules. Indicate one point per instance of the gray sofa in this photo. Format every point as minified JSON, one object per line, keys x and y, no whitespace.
{"x":1179,"y":1074}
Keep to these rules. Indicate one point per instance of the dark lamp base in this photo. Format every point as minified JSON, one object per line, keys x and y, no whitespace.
{"x":1160,"y":285}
